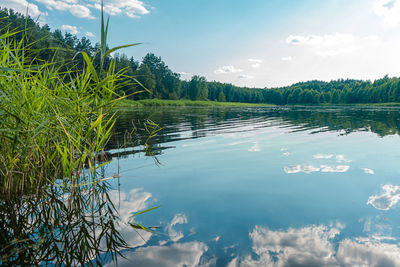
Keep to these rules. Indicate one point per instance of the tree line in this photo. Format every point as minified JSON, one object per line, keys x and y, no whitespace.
{"x":161,"y":82}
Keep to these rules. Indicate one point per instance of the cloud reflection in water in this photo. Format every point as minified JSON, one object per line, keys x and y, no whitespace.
{"x":315,"y":246}
{"x":388,"y":199}
{"x":309,"y":168}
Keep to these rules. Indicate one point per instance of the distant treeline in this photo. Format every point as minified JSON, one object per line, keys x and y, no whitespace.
{"x":163,"y":83}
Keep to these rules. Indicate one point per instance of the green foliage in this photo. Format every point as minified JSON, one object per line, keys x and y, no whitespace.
{"x":56,"y":119}
{"x":126,"y":103}
{"x":163,"y":83}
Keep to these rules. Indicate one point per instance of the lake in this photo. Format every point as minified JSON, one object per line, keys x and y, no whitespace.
{"x":275,"y":186}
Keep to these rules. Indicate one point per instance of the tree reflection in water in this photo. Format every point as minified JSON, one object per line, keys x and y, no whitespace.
{"x":62,"y":225}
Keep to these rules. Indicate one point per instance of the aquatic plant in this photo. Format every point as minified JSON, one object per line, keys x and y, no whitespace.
{"x":54,"y":127}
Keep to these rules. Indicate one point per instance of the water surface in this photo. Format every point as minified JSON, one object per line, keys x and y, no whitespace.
{"x":301,"y":186}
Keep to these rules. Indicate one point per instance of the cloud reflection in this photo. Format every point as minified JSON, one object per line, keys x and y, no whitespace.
{"x":340,"y":168}
{"x":127,"y":204}
{"x":255,"y":148}
{"x":173,"y":234}
{"x":177,"y":254}
{"x":323,"y":156}
{"x":388,"y":199}
{"x":368,"y":171}
{"x":301,"y":168}
{"x":309,"y":169}
{"x":315,"y":246}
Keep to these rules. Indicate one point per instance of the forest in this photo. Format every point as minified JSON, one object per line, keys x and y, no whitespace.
{"x":152,"y":73}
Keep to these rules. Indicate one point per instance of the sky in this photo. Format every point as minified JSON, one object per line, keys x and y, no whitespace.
{"x":254,"y":43}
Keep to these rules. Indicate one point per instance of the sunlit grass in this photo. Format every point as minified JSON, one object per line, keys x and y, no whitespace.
{"x":126,"y":103}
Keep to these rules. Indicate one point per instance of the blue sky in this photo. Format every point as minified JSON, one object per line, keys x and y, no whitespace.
{"x":255,"y":43}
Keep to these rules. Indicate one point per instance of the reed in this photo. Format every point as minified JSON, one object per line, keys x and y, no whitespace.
{"x":53,"y":124}
{"x":54,"y":127}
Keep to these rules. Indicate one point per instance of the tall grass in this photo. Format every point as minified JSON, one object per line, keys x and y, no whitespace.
{"x":54,"y":126}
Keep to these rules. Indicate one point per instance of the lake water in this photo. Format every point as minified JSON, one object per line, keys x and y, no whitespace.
{"x":301,"y":186}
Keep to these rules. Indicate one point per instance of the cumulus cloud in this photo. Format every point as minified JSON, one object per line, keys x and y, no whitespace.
{"x":316,"y":246}
{"x":387,"y":200}
{"x":227,"y":70}
{"x":21,"y":7}
{"x":130,"y":8}
{"x":245,"y":76}
{"x":256,"y":63}
{"x":288,"y":58}
{"x":76,"y":10}
{"x":389,"y":10}
{"x":80,"y":11}
{"x":89,"y":34}
{"x":70,"y":28}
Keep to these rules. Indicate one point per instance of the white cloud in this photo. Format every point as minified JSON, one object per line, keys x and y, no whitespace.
{"x":335,"y":52}
{"x":69,"y":28}
{"x":324,"y":40}
{"x":368,"y":171}
{"x":286,"y":154}
{"x":89,"y":34}
{"x":256,"y":62}
{"x":21,"y":7}
{"x":389,"y":10}
{"x":330,"y":45}
{"x":323,"y":156}
{"x":76,"y":10}
{"x":288,"y":58}
{"x":227,"y":70}
{"x":245,"y":76}
{"x":130,"y":8}
{"x":387,"y":200}
{"x":80,"y":11}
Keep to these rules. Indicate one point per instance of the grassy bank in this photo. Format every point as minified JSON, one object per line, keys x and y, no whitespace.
{"x":126,"y":103}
